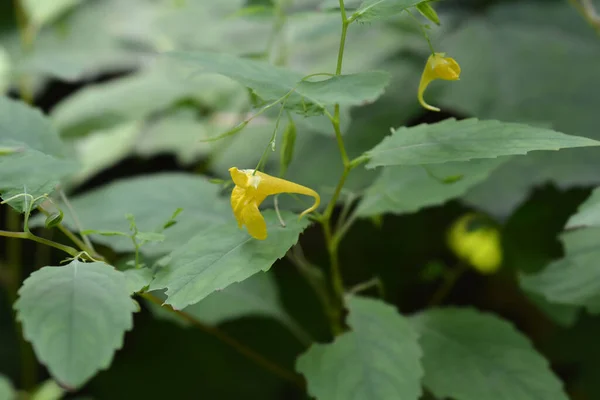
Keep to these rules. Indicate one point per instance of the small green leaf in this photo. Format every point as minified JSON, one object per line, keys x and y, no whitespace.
{"x":378,"y":359}
{"x":151,"y":236}
{"x":588,"y":214}
{"x":453,"y":140}
{"x":469,"y":355}
{"x":75,"y":316}
{"x":219,"y":256}
{"x":173,"y":220}
{"x":287,"y":147}
{"x":7,"y":391}
{"x":428,"y":12}
{"x":138,"y":279}
{"x":373,"y":10}
{"x":405,"y":189}
{"x":54,"y":219}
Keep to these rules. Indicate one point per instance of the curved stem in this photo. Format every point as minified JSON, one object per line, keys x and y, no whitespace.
{"x":239,"y":347}
{"x":30,"y":236}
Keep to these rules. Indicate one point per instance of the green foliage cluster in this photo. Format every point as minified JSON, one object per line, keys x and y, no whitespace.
{"x":321,"y":93}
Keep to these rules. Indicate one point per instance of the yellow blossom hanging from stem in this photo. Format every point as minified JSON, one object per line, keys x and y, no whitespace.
{"x":438,"y":67}
{"x":251,"y":189}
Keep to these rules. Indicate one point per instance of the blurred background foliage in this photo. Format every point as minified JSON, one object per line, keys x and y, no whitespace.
{"x":124,"y":111}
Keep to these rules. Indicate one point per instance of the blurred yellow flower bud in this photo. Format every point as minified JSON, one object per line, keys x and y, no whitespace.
{"x":476,"y":242}
{"x":438,"y":67}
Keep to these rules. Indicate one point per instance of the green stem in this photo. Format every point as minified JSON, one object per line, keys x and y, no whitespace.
{"x":450,"y":280}
{"x":239,"y":347}
{"x":30,"y":236}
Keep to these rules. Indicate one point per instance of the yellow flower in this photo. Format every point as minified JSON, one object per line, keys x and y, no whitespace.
{"x":476,"y":242}
{"x":251,"y":190}
{"x":438,"y":67}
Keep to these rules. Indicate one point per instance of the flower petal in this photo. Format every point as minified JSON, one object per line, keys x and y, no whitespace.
{"x":238,"y":198}
{"x":270,"y":185}
{"x":437,"y":67}
{"x":240,"y":178}
{"x":254,"y":221}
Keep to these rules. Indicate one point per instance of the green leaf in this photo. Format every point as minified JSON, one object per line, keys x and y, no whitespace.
{"x":405,"y":189}
{"x":151,"y":236}
{"x":574,"y":279}
{"x":256,"y":296}
{"x":271,"y":82}
{"x":138,"y":279}
{"x":219,"y":256}
{"x":39,"y":167}
{"x":134,"y":97}
{"x":520,"y":88}
{"x":152,"y":199}
{"x":75,"y":316}
{"x":428,"y":12}
{"x":348,"y":90}
{"x":373,"y":10}
{"x":378,"y":359}
{"x":469,"y":355}
{"x":453,"y":140}
{"x":588,"y":214}
{"x":7,"y":391}
{"x":41,"y":12}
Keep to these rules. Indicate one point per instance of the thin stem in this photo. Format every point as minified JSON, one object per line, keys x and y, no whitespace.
{"x":447,"y":285}
{"x":27,"y":34}
{"x":239,"y":347}
{"x":30,"y":236}
{"x":88,"y":244}
{"x":373,"y":282}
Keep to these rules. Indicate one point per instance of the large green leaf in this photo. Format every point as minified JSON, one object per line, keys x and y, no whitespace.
{"x":405,"y":189}
{"x":137,"y":96}
{"x":151,"y":199}
{"x":221,"y":255}
{"x":468,"y":355}
{"x":271,"y":82}
{"x":574,"y":279}
{"x":512,"y":72}
{"x":453,"y":140}
{"x":378,"y":359}
{"x":75,"y":316}
{"x":39,"y":164}
{"x":76,"y":50}
{"x":588,"y":213}
{"x":7,"y":391}
{"x":372,"y":10}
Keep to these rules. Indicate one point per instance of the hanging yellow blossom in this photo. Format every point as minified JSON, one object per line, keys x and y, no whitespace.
{"x":476,"y":242}
{"x":438,"y":67}
{"x":252,"y":189}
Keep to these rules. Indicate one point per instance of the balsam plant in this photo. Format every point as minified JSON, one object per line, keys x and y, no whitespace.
{"x":291,"y":153}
